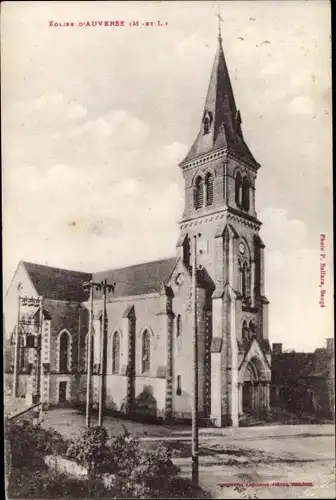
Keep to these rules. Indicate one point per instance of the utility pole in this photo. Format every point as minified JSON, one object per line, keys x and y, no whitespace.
{"x":89,"y":356}
{"x":102,"y":358}
{"x":105,"y":287}
{"x":194,"y":412}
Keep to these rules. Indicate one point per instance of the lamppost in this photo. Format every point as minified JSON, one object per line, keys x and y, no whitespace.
{"x":105,"y":287}
{"x":31,"y":340}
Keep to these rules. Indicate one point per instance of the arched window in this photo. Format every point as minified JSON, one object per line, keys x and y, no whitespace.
{"x":22,"y":358}
{"x":199,"y":193}
{"x":178,"y":325}
{"x":246,"y":194}
{"x":245,"y":280}
{"x":186,"y":252}
{"x":245,"y":331}
{"x":206,"y":124}
{"x":116,"y":353}
{"x":209,"y":189}
{"x":238,"y":189}
{"x":87,"y":351}
{"x":145,"y":351}
{"x":252,"y":328}
{"x":64,"y":353}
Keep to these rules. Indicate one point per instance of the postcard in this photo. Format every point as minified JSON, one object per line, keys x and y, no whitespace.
{"x":168,"y":249}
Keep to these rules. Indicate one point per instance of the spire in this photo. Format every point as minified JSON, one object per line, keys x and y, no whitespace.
{"x":221,"y":121}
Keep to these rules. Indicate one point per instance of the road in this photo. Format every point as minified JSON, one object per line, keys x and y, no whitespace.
{"x":269,"y":454}
{"x":284,"y":459}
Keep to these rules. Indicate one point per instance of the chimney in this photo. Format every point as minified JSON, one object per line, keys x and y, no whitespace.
{"x":330,"y":344}
{"x":276,"y":349}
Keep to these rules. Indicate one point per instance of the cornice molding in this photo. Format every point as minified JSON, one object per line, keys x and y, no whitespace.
{"x":205,"y":158}
{"x":215,"y":155}
{"x":246,"y":220}
{"x":252,"y":224}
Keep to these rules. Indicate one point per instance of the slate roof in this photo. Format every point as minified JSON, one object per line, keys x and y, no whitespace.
{"x":138,"y":279}
{"x":225,"y":127}
{"x":56,"y":283}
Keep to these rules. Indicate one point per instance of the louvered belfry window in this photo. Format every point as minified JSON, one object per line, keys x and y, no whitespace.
{"x":209,"y":189}
{"x":246,"y":194}
{"x":238,"y":189}
{"x":199,"y":193}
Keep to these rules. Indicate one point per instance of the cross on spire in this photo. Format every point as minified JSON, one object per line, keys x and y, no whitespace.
{"x":220,"y":19}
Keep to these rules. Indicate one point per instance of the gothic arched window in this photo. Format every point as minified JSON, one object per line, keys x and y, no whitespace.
{"x":246,"y":194}
{"x":245,"y":280}
{"x":252,"y":328}
{"x":64,"y":353}
{"x":238,"y":189}
{"x":145,"y":352}
{"x":115,"y":353}
{"x":245,"y":331}
{"x":178,"y":325}
{"x":199,"y":193}
{"x":22,"y":359}
{"x":206,"y":124}
{"x":186,"y":252}
{"x":209,"y":189}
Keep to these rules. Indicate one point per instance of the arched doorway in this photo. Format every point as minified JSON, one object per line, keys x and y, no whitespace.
{"x":251,"y":379}
{"x":254,"y":386}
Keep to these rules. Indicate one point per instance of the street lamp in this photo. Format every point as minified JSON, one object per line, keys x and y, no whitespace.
{"x":31,"y":340}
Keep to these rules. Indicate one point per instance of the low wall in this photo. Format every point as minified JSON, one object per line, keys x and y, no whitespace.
{"x":33,"y":414}
{"x":61,"y":464}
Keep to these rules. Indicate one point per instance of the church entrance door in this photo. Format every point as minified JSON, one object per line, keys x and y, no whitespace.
{"x":247,"y":396}
{"x":251,"y":377}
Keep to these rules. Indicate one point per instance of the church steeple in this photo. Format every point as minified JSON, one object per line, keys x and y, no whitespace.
{"x":221,"y":121}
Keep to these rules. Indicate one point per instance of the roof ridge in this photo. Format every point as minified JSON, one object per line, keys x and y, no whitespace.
{"x":134,"y":265}
{"x":55,"y":267}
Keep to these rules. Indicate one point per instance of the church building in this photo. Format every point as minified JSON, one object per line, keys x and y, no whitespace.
{"x":149,"y":333}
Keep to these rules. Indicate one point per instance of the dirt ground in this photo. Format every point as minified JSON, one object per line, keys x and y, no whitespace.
{"x":246,"y":456}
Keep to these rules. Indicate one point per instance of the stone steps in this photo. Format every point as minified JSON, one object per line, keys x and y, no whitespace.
{"x":250,"y":420}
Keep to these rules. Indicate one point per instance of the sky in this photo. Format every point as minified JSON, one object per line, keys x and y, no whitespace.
{"x":96,"y":119}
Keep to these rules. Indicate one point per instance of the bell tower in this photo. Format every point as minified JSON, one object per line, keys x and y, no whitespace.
{"x":220,"y":175}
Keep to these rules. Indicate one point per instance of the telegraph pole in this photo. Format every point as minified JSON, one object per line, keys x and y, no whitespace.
{"x":102,"y":358}
{"x":194,"y":412}
{"x":89,"y":358}
{"x":105,"y":287}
